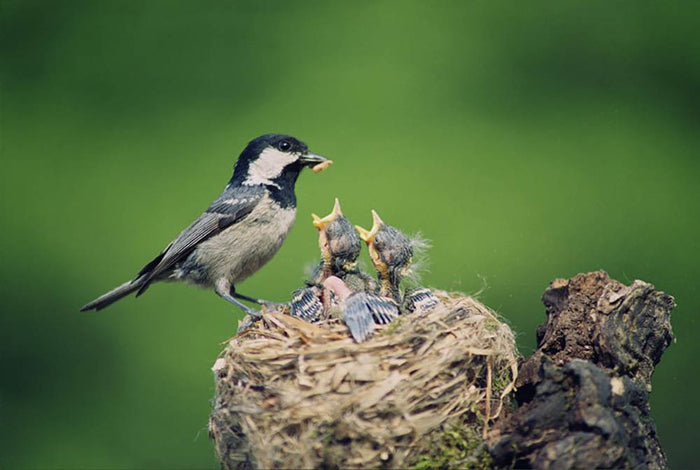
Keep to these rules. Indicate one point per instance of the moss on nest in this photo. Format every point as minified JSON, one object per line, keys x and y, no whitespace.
{"x":455,"y":447}
{"x":301,"y":395}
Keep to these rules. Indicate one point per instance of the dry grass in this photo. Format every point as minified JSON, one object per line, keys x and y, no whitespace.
{"x":297,"y":395}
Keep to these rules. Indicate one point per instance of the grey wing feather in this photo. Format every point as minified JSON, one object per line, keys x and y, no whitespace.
{"x":358,"y":316}
{"x":306,"y":304}
{"x":222,"y":213}
{"x":421,"y":299}
{"x":384,"y":310}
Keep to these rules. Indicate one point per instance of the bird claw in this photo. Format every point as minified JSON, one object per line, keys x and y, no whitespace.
{"x":256,"y":314}
{"x":247,"y":322}
{"x":274,"y":305}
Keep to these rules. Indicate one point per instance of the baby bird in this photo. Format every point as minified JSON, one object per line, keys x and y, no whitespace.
{"x":391,"y":252}
{"x":339,"y":244}
{"x":340,"y":247}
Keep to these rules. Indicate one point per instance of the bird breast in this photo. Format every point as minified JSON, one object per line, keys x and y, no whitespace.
{"x":243,"y":248}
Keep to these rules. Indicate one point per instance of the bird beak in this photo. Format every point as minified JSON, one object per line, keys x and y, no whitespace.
{"x":368,"y":235}
{"x":316,"y":162}
{"x":320,"y":223}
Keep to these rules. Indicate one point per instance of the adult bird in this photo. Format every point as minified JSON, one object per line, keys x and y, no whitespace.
{"x":239,"y":232}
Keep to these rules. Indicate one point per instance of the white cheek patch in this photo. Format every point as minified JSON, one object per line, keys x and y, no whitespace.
{"x":268,"y":166}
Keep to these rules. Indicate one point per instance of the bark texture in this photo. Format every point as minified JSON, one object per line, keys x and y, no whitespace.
{"x":583,"y":395}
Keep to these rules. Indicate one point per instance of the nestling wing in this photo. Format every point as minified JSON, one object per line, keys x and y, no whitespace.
{"x":222,"y":213}
{"x":358,"y":316}
{"x":384,"y":310}
{"x":306,"y":303}
{"x":420,"y":298}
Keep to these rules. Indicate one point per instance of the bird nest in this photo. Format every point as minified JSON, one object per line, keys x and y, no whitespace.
{"x":291,"y":394}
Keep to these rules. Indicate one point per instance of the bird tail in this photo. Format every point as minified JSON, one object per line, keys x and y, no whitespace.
{"x":114,"y":295}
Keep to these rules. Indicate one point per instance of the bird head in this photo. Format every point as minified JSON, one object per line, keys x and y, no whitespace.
{"x":368,"y":236}
{"x":275,"y":160}
{"x":389,"y":249}
{"x":337,"y":239}
{"x":322,"y":222}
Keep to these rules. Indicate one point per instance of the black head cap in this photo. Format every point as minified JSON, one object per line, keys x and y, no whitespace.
{"x":283,"y":143}
{"x":280,"y":142}
{"x":275,"y":160}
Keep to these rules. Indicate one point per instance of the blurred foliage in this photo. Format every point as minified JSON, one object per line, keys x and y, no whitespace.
{"x":527,"y":142}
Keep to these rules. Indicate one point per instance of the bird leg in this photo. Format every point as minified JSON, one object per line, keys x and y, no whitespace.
{"x":227,"y":291}
{"x":255,"y":300}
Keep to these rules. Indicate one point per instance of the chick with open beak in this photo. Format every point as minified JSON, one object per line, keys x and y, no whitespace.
{"x":339,"y":244}
{"x":391,"y":252}
{"x":340,"y":247}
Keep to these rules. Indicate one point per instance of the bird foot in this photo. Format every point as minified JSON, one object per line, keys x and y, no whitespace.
{"x":274,"y":305}
{"x":256,"y":314}
{"x":247,"y":322}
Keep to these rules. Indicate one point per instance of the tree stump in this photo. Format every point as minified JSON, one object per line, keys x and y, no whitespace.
{"x":583,"y":395}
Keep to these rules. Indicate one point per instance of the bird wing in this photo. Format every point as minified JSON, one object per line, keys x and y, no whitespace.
{"x":306,"y":303}
{"x":228,"y":209}
{"x":358,"y":318}
{"x":420,"y":298}
{"x":383,"y":309}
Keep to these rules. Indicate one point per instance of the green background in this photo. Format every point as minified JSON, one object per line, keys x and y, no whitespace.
{"x":528,"y":141}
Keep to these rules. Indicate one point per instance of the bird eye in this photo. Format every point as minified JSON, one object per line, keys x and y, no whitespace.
{"x":284,"y":146}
